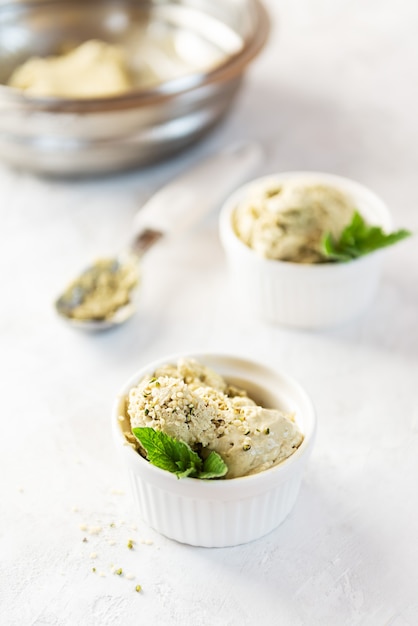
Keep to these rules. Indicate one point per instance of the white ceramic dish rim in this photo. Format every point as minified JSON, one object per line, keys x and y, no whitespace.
{"x":356,"y":190}
{"x":219,"y":489}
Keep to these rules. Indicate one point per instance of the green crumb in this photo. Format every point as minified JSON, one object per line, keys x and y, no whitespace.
{"x":119,"y":572}
{"x":112,"y":525}
{"x":267,"y":431}
{"x":130,"y":544}
{"x":93,"y":569}
{"x":246,"y":447}
{"x":138,"y":588}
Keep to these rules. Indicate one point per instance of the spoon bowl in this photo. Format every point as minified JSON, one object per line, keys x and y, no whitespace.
{"x":103,"y":295}
{"x":75,"y":304}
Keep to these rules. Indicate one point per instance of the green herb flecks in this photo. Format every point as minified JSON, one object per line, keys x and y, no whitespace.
{"x":177,"y":457}
{"x":358,"y":239}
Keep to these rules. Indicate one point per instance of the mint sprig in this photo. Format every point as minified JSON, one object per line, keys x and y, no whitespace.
{"x":358,"y":239}
{"x":177,"y":457}
{"x":213,"y":466}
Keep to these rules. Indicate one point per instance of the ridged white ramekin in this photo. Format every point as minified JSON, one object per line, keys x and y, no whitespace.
{"x":304,"y":296}
{"x":226,"y":512}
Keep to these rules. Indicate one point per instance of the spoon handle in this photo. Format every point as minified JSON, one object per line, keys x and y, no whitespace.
{"x":184,"y":201}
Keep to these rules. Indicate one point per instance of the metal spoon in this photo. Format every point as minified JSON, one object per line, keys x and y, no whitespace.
{"x":172,"y":210}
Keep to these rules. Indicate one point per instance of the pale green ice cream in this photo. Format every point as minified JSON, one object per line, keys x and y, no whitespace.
{"x":288,"y":221}
{"x":195,"y":404}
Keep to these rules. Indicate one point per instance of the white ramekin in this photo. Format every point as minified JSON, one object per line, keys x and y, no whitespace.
{"x":225,"y":512}
{"x":303,"y":296}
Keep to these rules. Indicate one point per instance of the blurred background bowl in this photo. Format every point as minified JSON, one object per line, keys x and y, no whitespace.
{"x":214,"y":39}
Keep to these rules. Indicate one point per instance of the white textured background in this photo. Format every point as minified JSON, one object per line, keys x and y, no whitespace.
{"x":335,"y":90}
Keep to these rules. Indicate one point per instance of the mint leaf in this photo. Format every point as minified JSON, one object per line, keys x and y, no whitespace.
{"x":331,"y":251}
{"x":213,"y":467}
{"x":168,"y":453}
{"x":177,"y":457}
{"x":358,"y":239}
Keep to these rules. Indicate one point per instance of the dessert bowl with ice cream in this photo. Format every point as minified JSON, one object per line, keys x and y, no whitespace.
{"x":215,"y":446}
{"x":304,"y":249}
